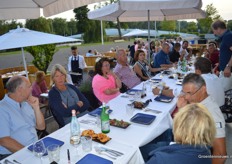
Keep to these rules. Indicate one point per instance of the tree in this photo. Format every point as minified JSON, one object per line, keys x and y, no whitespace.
{"x":40,"y":24}
{"x":81,"y":18}
{"x":6,"y":26}
{"x":43,"y":55}
{"x":60,"y":26}
{"x":192,"y":27}
{"x":168,"y":25}
{"x":90,"y":28}
{"x":229,"y":25}
{"x":72,"y":28}
{"x":204,"y":25}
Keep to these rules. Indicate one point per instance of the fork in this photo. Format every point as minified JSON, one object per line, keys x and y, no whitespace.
{"x":99,"y":151}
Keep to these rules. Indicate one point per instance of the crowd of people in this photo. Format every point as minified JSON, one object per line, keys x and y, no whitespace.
{"x":198,"y":127}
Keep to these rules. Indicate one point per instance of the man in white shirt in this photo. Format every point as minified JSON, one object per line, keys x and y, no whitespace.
{"x":76,"y":64}
{"x":183,"y":50}
{"x":214,"y":86}
{"x":194,"y":91}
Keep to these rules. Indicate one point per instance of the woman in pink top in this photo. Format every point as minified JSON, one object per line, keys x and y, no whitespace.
{"x":39,"y":86}
{"x":106,"y":84}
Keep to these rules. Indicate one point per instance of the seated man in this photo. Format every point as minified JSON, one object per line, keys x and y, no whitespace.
{"x":175,"y":55}
{"x":213,"y":83}
{"x":213,"y":53}
{"x":162,"y":58}
{"x":194,"y":91}
{"x":20,"y":116}
{"x":89,"y":53}
{"x":124,"y":72}
{"x":183,"y":50}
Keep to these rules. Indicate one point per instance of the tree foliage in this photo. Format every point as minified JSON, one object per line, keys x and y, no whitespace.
{"x":168,"y":25}
{"x":90,"y":28}
{"x":40,"y":24}
{"x":43,"y":55}
{"x":212,"y":15}
{"x":6,"y":26}
{"x":60,"y":26}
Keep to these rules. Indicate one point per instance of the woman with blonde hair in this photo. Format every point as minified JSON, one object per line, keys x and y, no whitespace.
{"x":39,"y":86}
{"x":194,"y":131}
{"x":64,"y":97}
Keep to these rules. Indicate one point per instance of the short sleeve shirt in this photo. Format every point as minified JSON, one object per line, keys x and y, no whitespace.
{"x":18,"y":122}
{"x":161,"y":58}
{"x":217,"y":115}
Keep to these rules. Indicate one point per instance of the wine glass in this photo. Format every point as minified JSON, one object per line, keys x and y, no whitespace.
{"x":39,"y":149}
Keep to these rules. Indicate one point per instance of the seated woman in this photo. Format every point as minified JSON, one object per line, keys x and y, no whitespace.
{"x":141,"y":67}
{"x":106,"y":84}
{"x":194,"y":131}
{"x":64,"y":97}
{"x":39,"y":86}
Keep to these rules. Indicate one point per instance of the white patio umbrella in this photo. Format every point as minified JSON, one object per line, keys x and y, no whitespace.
{"x":22,"y":37}
{"x":29,"y":9}
{"x":135,"y":32}
{"x":146,"y":10}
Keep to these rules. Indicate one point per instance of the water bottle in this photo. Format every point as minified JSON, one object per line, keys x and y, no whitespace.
{"x":143,"y":90}
{"x":105,"y":119}
{"x":74,"y":129}
{"x":184,"y":65}
{"x":179,"y":65}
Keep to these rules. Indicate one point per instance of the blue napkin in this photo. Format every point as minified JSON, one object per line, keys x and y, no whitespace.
{"x":91,"y":158}
{"x":98,"y":112}
{"x":47,"y":142}
{"x":163,"y":98}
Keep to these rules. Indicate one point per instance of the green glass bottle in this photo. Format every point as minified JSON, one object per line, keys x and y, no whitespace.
{"x":105,"y":120}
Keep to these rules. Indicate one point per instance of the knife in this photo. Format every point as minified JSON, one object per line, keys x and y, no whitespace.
{"x":111,"y":150}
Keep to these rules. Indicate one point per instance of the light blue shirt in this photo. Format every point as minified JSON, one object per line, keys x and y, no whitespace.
{"x":17,"y":122}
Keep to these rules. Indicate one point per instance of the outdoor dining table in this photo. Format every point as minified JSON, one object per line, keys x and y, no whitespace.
{"x":126,"y":140}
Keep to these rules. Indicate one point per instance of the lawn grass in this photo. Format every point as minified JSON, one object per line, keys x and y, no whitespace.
{"x":59,"y":47}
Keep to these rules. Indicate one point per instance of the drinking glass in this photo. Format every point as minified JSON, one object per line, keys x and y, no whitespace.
{"x":53,"y":153}
{"x":129,"y":109}
{"x":39,"y":149}
{"x":86,"y":142}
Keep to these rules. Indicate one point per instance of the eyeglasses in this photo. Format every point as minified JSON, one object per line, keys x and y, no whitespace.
{"x":182,"y":93}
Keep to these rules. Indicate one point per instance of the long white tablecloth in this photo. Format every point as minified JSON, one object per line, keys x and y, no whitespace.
{"x":126,"y":140}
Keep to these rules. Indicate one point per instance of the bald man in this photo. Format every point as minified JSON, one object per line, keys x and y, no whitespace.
{"x":20,"y":116}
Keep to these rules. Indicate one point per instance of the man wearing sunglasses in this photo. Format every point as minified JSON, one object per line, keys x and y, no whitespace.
{"x":194,"y":91}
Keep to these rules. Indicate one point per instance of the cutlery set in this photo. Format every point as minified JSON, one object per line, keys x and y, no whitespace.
{"x":113,"y":154}
{"x":9,"y":162}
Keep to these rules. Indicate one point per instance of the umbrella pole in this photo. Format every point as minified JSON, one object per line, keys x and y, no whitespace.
{"x":24,"y":62}
{"x":102,"y":38}
{"x":149,"y":49}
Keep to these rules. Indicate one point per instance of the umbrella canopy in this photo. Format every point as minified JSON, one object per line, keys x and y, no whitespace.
{"x":137,"y":10}
{"x":146,"y":10}
{"x":22,"y":37}
{"x":29,"y":9}
{"x":135,"y":32}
